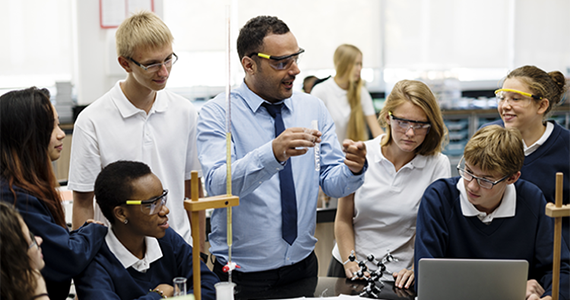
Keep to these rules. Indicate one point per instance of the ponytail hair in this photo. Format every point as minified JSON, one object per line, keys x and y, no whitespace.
{"x":550,"y":85}
{"x":344,"y":59}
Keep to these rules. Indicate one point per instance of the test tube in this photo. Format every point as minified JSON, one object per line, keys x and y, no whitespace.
{"x":179,"y":286}
{"x":317,"y":147}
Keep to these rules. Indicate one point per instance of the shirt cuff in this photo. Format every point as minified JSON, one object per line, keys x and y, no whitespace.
{"x":268,"y":159}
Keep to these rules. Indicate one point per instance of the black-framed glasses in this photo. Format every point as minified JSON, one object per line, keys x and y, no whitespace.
{"x":151,"y":206}
{"x":34,"y":241}
{"x":419,"y":127}
{"x":155,"y":67}
{"x":483,"y":182}
{"x":280,"y":62}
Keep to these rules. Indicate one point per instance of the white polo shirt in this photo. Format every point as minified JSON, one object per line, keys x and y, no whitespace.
{"x":112,"y":129}
{"x":386,"y":206}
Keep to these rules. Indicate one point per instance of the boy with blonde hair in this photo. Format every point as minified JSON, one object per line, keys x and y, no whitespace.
{"x":489,"y":213}
{"x":138,"y":120}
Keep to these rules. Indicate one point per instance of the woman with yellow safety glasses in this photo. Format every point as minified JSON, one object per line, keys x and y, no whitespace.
{"x":525,"y":102}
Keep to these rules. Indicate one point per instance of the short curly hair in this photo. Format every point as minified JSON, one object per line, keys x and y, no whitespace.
{"x":251,"y":35}
{"x":113,"y":185}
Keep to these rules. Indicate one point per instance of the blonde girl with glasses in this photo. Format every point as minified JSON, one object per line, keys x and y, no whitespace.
{"x":346,"y":97}
{"x":525,"y":102}
{"x":381,"y":215}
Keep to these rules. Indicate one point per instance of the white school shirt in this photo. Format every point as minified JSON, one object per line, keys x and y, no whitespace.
{"x":386,"y":206}
{"x":127,"y":259}
{"x":506,"y":209}
{"x":530,"y":149}
{"x":112,"y":128}
{"x":337,"y":103}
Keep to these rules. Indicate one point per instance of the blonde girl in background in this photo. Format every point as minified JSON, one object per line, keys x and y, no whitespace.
{"x":346,"y":98}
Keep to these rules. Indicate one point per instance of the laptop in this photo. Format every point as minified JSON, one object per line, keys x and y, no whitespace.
{"x":472,"y":279}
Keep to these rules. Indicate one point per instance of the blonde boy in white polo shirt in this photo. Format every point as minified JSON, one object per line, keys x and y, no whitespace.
{"x":138,"y":120}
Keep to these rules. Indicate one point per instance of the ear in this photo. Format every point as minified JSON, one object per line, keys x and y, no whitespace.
{"x":387,"y":118}
{"x":120,"y":213}
{"x":249,"y":65}
{"x":543,"y":106}
{"x":124,"y":62}
{"x":513,"y":178}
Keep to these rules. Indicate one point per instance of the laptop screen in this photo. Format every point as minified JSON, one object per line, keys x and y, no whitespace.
{"x":466,"y":279}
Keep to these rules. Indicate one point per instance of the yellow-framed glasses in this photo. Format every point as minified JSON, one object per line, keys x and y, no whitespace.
{"x":151,"y":206}
{"x":514,"y":97}
{"x":499,"y":91}
{"x":281,"y":62}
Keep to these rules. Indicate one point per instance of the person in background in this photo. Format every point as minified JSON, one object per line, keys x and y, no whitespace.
{"x":30,"y":139}
{"x":138,"y":120}
{"x":490,"y":213}
{"x":141,"y":255}
{"x":381,"y":215}
{"x":273,"y":164}
{"x":21,"y":258}
{"x":346,"y":97}
{"x":310,"y":81}
{"x":525,"y":102}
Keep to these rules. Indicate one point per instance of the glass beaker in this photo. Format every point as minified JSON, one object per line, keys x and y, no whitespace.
{"x":179,"y":286}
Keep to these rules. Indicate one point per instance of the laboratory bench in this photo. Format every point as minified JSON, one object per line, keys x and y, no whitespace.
{"x":329,"y":287}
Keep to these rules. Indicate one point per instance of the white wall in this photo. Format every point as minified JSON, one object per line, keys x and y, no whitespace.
{"x":97,"y":66}
{"x":47,"y":41}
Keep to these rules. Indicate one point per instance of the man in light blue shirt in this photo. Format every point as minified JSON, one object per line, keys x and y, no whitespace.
{"x":268,"y":52}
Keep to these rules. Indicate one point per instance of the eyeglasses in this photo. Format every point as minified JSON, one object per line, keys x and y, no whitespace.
{"x":404,"y":125}
{"x":514,"y":97}
{"x":155,"y":67}
{"x":151,"y":206}
{"x":280,"y":62}
{"x":483,"y":182}
{"x":34,"y":241}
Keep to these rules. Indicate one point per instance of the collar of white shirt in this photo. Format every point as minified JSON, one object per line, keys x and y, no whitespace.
{"x":127,"y":259}
{"x":529,"y":150}
{"x":506,"y":209}
{"x":127,"y":109}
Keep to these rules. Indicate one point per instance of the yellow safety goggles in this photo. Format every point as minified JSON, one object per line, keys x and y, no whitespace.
{"x":151,"y":206}
{"x":499,"y":93}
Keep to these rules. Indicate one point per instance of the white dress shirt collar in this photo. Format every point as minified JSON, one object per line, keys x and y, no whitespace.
{"x":506,"y":208}
{"x":127,"y":259}
{"x":529,"y":150}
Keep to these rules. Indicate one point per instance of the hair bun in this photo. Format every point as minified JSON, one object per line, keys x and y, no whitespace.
{"x":559,"y":79}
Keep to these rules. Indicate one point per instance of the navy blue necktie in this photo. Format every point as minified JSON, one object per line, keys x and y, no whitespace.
{"x":286,"y":184}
